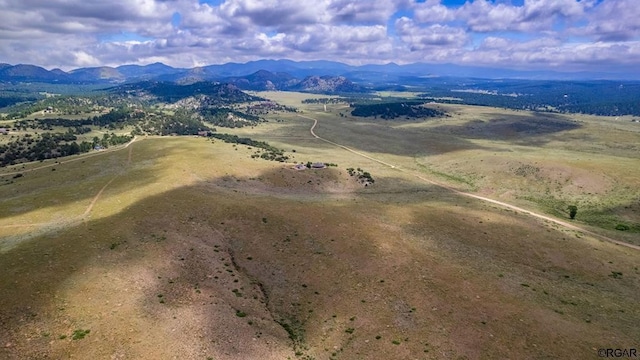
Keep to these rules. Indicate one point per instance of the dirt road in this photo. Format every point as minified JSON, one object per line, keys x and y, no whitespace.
{"x":478,"y":197}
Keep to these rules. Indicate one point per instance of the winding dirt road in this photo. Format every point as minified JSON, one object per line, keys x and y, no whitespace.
{"x":478,"y":197}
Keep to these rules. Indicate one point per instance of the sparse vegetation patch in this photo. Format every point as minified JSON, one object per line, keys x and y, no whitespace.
{"x":364,"y":177}
{"x":270,"y":152}
{"x":80,"y":334}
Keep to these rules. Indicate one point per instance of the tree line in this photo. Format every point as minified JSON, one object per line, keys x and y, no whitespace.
{"x":392,"y":110}
{"x":53,"y":145}
{"x":606,"y":98}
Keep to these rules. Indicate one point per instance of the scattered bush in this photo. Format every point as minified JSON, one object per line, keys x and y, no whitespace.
{"x":615,"y":274}
{"x":80,"y":334}
{"x":364,"y":177}
{"x":622,"y":227}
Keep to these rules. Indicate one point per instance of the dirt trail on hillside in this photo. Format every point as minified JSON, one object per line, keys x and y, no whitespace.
{"x":94,"y":200}
{"x":478,"y":197}
{"x":130,"y":151}
{"x":80,"y":157}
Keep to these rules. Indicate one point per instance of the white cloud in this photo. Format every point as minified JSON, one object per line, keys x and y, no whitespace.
{"x":534,"y":15}
{"x":551,"y":53}
{"x":614,"y":21}
{"x":364,"y":11}
{"x":84,"y":59}
{"x":432,"y":11}
{"x":553,"y":33}
{"x":434,"y":35}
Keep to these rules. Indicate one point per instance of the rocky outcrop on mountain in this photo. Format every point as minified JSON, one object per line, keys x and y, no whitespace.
{"x":212,"y":93}
{"x":103,"y":73}
{"x":263,"y":80}
{"x":328,"y":85}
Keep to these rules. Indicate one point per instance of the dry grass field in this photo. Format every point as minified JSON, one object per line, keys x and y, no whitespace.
{"x":541,"y":161}
{"x":184,"y":248}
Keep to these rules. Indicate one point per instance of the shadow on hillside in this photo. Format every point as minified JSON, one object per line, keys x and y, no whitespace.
{"x":204,"y":266}
{"x":383,"y":138}
{"x":196,"y":243}
{"x":527,"y":255}
{"x":521,"y":129}
{"x":156,"y":235}
{"x":331,"y":183}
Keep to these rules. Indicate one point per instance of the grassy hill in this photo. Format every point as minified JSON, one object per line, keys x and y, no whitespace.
{"x":184,"y":246}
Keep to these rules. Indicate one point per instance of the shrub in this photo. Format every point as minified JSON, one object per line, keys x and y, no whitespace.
{"x":616,"y":274}
{"x":622,"y":227}
{"x":80,"y":334}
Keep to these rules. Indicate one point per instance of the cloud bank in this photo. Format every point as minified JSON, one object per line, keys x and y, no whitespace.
{"x":563,"y":35}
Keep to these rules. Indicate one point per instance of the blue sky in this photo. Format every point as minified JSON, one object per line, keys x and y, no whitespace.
{"x":564,"y":35}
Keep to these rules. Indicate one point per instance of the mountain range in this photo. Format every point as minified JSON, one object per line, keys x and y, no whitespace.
{"x":283,"y":74}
